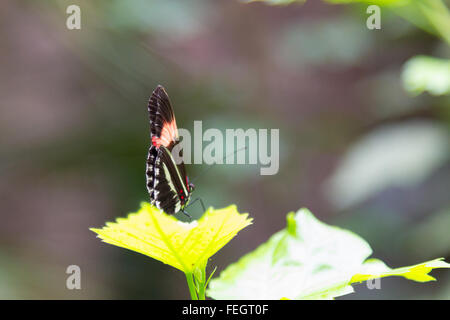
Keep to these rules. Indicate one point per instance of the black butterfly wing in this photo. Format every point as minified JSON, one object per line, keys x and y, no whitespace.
{"x":163,"y":126}
{"x":165,"y":181}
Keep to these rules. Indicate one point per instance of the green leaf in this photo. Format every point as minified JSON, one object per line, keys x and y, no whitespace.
{"x":307,"y":260}
{"x":423,"y":73}
{"x":374,"y":268}
{"x":185,"y":246}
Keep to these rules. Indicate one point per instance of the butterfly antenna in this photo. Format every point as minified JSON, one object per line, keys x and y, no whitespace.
{"x":210,"y":167}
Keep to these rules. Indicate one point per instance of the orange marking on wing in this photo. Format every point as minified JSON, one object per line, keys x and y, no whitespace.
{"x":169,"y":134}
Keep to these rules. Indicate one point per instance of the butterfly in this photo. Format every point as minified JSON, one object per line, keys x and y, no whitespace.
{"x":167,"y":182}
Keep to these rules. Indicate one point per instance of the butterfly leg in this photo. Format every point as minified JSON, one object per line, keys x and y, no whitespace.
{"x":187,"y":214}
{"x":201,"y":202}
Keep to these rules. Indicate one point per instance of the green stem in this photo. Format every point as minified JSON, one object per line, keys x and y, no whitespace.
{"x":201,"y":291}
{"x":200,"y":280}
{"x":190,"y":281}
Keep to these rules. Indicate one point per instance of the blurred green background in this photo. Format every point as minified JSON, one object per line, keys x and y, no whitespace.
{"x":359,"y":146}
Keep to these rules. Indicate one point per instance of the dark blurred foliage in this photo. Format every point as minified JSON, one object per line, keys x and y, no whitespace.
{"x":74,"y":132}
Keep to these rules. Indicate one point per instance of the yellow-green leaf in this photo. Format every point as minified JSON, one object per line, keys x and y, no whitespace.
{"x":185,"y":246}
{"x":308,"y":260}
{"x":375,"y":268}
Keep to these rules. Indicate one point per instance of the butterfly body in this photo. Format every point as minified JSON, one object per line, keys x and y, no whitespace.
{"x":167,"y":182}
